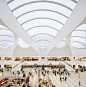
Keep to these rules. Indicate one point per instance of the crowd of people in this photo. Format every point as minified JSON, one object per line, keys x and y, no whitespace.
{"x":63,"y":75}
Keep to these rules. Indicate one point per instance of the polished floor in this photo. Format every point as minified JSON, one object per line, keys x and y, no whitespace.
{"x":72,"y":81}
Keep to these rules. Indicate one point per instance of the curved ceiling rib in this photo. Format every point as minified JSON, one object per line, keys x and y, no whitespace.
{"x":79,"y":42}
{"x":9,"y":1}
{"x":42,"y":40}
{"x":42,"y":30}
{"x":42,"y":18}
{"x":53,"y":2}
{"x":14,"y":25}
{"x":71,"y":24}
{"x":13,"y":0}
{"x":79,"y":37}
{"x":6,"y":41}
{"x":42,"y":34}
{"x":3,"y":28}
{"x":7,"y":35}
{"x":41,"y":10}
{"x":80,"y":30}
{"x":74,"y":1}
{"x":42,"y":26}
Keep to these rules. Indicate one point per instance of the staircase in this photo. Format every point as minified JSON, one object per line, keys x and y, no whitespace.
{"x":68,"y":67}
{"x":18,"y":67}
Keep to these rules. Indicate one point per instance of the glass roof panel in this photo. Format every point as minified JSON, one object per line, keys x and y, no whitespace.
{"x":45,"y":14}
{"x":23,"y":44}
{"x":82,"y":27}
{"x":45,"y":22}
{"x":42,"y":44}
{"x":68,"y":3}
{"x":42,"y":16}
{"x":82,"y":40}
{"x":5,"y":44}
{"x":6,"y":37}
{"x":42,"y":37}
{"x":7,"y":0}
{"x":48,"y":6}
{"x":78,"y":45}
{"x":61,"y":44}
{"x":79,"y":33}
{"x":16,"y":3}
{"x":79,"y":36}
{"x":45,"y":30}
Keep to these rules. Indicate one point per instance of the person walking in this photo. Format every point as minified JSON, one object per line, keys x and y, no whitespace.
{"x":55,"y":72}
{"x":60,"y":79}
{"x":13,"y":72}
{"x":65,"y":78}
{"x":79,"y":75}
{"x":79,"y":83}
{"x":66,"y":72}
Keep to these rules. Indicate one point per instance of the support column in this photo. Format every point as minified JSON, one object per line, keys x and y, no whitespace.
{"x":76,"y":66}
{"x":46,"y":60}
{"x":15,"y":43}
{"x":2,"y":58}
{"x":2,"y":66}
{"x":68,"y":40}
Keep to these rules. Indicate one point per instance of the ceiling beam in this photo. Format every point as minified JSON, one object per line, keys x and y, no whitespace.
{"x":73,"y":22}
{"x":10,"y":21}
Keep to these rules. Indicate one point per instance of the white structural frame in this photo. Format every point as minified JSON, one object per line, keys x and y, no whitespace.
{"x":13,"y":25}
{"x":72,"y":23}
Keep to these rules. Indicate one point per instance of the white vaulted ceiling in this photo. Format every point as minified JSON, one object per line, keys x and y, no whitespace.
{"x":79,"y":37}
{"x":42,"y":19}
{"x":6,"y":38}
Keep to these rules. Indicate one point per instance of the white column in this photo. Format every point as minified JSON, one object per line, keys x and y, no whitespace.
{"x":20,"y":57}
{"x":2,"y":66}
{"x":2,"y":58}
{"x":12,"y":65}
{"x":46,"y":60}
{"x":69,"y":43}
{"x":39,"y":62}
{"x":15,"y":43}
{"x":76,"y":66}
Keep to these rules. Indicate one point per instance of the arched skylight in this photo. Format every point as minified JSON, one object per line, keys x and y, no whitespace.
{"x":46,"y":17}
{"x":79,"y":37}
{"x":6,"y":38}
{"x":23,"y":44}
{"x":61,"y":44}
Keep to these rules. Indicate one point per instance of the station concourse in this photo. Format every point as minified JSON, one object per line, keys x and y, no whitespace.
{"x":42,"y":43}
